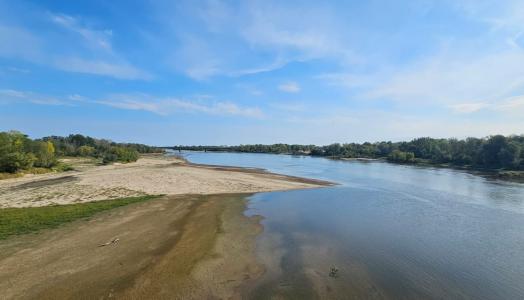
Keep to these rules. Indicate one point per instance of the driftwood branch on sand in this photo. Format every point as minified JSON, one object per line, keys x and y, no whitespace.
{"x":113,"y":241}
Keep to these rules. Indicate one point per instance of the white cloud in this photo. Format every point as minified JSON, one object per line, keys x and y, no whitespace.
{"x":7,"y":95}
{"x":224,"y":39}
{"x":18,"y":70}
{"x":289,"y":87}
{"x":195,"y":58}
{"x":95,"y":38}
{"x":500,"y":15}
{"x":168,"y":105}
{"x":466,"y":73}
{"x":68,"y":52}
{"x":448,"y":79}
{"x":516,"y":102}
{"x":512,"y":105}
{"x":288,"y":29}
{"x":468,"y":107}
{"x":97,"y":67}
{"x":278,"y":63}
{"x":144,"y":102}
{"x":464,"y":83}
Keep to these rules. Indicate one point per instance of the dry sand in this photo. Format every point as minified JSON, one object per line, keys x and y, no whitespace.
{"x":149,"y":175}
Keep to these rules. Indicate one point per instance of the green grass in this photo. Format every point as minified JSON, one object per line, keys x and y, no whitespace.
{"x":15,"y":221}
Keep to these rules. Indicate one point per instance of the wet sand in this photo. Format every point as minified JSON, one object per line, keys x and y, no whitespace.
{"x":175,"y":247}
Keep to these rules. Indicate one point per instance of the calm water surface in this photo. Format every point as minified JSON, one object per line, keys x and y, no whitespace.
{"x":393,"y":231}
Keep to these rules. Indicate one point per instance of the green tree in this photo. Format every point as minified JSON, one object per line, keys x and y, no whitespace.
{"x":14,"y":152}
{"x":45,"y":154}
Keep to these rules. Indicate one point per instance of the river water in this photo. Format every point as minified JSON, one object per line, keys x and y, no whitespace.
{"x":391,"y":231}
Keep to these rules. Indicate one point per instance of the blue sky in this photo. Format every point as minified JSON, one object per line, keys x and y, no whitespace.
{"x":232,"y":72}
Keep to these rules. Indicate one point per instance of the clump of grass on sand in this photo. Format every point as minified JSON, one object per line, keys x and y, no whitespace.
{"x":10,"y":175}
{"x":15,"y":221}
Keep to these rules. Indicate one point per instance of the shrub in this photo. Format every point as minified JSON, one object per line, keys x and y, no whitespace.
{"x":86,"y":151}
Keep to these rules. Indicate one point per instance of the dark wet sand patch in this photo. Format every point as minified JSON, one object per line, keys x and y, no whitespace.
{"x":45,"y":182}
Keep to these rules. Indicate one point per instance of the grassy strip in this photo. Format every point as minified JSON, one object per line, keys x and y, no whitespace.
{"x":15,"y":221}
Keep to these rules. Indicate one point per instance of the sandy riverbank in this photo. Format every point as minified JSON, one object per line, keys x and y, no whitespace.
{"x":149,"y":175}
{"x":175,"y":247}
{"x":193,"y":243}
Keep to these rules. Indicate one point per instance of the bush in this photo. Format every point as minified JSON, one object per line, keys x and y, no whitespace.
{"x":109,"y":157}
{"x":12,"y":162}
{"x":120,"y":154}
{"x":63,"y":167}
{"x":86,"y":151}
{"x":125,"y":154}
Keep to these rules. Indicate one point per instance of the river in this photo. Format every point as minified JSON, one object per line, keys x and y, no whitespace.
{"x":391,"y":231}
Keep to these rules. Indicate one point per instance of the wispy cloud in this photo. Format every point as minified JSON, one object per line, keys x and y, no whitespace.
{"x":246,"y":38}
{"x":97,"y":67}
{"x":289,"y":87}
{"x":7,"y":95}
{"x":468,"y":107}
{"x":168,"y":105}
{"x":508,"y":106}
{"x":159,"y":105}
{"x":462,"y":83}
{"x":18,"y":70}
{"x":449,"y":78}
{"x":85,"y":51}
{"x":514,"y":104}
{"x":100,"y":39}
{"x":284,"y":28}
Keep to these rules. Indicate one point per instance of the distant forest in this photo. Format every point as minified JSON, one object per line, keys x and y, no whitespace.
{"x":494,"y":152}
{"x":19,"y":152}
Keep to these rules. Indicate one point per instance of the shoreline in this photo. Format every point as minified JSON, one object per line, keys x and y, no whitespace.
{"x":321,"y":183}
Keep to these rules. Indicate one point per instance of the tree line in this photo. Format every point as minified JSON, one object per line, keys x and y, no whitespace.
{"x":19,"y":152}
{"x":493,"y":152}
